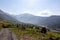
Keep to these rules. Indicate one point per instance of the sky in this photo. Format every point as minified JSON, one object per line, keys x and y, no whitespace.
{"x":34,"y":7}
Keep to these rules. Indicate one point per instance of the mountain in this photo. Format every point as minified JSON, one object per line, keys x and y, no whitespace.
{"x":52,"y":22}
{"x":6,"y":16}
{"x":29,"y":18}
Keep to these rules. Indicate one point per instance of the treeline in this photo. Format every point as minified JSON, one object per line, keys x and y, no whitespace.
{"x":6,"y":24}
{"x":22,"y":26}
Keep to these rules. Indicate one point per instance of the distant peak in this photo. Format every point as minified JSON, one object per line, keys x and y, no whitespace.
{"x":27,"y":14}
{"x":55,"y":16}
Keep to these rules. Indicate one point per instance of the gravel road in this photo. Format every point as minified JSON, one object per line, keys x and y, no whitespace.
{"x":7,"y":34}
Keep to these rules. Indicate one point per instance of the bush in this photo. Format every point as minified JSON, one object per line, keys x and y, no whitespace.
{"x":43,"y":30}
{"x":3,"y":26}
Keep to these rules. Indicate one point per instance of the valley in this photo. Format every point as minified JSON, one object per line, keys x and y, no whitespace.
{"x":29,"y":27}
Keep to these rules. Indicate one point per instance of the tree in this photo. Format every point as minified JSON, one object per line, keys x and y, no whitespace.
{"x":43,"y":30}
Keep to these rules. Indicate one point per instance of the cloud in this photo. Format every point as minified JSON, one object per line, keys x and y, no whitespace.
{"x":44,"y":13}
{"x":26,"y":11}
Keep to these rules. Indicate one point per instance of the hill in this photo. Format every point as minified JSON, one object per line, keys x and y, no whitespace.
{"x":35,"y":34}
{"x":53,"y":22}
{"x":29,"y":18}
{"x":6,"y":16}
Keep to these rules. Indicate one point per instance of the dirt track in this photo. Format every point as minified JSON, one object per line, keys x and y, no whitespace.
{"x":7,"y":34}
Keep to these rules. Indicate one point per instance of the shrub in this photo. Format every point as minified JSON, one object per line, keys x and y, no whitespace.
{"x":43,"y":30}
{"x":4,"y":26}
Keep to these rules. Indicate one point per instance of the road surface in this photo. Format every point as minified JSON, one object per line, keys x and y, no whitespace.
{"x":7,"y":34}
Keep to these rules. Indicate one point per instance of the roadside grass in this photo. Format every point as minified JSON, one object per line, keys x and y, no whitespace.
{"x":28,"y":33}
{"x":34,"y":34}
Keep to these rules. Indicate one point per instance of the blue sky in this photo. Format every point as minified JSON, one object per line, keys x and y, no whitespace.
{"x":35,"y":7}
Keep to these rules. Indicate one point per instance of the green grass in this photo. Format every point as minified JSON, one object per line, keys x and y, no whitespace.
{"x":34,"y":33}
{"x":28,"y":33}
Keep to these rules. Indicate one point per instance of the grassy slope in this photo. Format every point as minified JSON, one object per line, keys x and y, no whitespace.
{"x":34,"y":34}
{"x":29,"y":33}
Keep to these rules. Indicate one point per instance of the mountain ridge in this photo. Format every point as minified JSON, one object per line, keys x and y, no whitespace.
{"x":52,"y":21}
{"x":6,"y":16}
